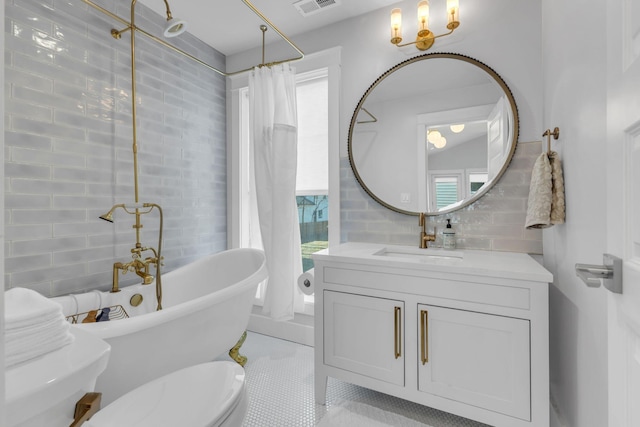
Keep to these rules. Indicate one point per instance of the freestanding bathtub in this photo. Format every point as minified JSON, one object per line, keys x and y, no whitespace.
{"x":206,"y":308}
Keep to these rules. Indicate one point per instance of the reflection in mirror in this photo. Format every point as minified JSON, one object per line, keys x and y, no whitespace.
{"x":433,"y":134}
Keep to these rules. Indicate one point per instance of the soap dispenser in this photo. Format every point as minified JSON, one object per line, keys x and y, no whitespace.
{"x":448,"y":237}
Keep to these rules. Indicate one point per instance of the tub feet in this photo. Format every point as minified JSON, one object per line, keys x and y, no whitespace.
{"x":235,"y":351}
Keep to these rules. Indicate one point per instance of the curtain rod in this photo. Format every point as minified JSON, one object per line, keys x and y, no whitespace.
{"x":211,"y":67}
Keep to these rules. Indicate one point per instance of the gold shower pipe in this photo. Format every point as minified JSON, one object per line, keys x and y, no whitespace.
{"x":130,"y":26}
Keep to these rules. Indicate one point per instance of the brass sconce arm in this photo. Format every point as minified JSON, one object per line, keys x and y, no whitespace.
{"x":423,"y":41}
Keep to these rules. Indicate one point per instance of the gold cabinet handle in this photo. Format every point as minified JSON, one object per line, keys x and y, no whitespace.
{"x":424,"y":336}
{"x":397,"y":332}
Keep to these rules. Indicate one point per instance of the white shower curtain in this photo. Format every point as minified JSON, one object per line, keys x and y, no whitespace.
{"x":274,"y":138}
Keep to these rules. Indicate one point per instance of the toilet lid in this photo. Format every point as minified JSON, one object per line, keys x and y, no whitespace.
{"x":195,"y":396}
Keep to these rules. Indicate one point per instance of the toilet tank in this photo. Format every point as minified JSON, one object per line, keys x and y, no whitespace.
{"x":44,"y":391}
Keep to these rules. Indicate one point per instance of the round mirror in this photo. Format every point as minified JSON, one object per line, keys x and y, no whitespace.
{"x":433,"y":134}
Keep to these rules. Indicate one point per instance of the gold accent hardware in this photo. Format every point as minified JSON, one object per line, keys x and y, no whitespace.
{"x":131,"y":26}
{"x":137,"y":265}
{"x":234,"y":353}
{"x":549,"y":134}
{"x":424,"y":38}
{"x":85,"y":408}
{"x":424,"y":336}
{"x":136,"y":300}
{"x":397,"y":332}
{"x":424,"y":237}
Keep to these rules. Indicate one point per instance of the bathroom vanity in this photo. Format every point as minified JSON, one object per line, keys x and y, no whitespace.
{"x":462,"y":331}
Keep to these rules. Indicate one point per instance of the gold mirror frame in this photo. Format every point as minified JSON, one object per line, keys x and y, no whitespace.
{"x":485,"y":188}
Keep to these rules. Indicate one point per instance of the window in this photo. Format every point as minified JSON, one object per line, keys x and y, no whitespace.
{"x":312,"y":180}
{"x":446,"y":191}
{"x":446,"y":188}
{"x":476,"y":180}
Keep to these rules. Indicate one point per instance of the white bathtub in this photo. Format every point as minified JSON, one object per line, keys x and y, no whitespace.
{"x":206,"y":308}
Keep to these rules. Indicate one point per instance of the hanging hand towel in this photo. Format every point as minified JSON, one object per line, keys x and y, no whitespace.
{"x":546,"y":193}
{"x":557,"y":189}
{"x":540,"y":194}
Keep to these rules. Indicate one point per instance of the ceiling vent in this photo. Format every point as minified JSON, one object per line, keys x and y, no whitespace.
{"x":309,"y":7}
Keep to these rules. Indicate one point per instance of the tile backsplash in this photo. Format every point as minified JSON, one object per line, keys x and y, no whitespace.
{"x":68,"y":144}
{"x":494,"y":222}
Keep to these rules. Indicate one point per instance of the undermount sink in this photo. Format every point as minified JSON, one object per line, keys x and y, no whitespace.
{"x":420,"y":254}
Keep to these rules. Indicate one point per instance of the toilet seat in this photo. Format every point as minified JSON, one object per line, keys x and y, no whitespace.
{"x":204,"y":395}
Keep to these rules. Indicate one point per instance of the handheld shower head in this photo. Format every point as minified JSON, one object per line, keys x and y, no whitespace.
{"x":107,"y":217}
{"x":175,"y":27}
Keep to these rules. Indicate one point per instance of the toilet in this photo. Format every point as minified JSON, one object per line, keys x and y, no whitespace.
{"x":211,"y":394}
{"x":43,"y":392}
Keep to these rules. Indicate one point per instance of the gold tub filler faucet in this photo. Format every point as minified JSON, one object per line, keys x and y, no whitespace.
{"x":425,"y":238}
{"x":138,"y":265}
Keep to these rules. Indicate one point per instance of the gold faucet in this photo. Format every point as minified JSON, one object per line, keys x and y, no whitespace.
{"x":424,"y":237}
{"x":141,"y":268}
{"x":137,"y":265}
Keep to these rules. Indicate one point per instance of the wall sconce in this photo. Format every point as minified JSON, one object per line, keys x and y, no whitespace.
{"x":425,"y":38}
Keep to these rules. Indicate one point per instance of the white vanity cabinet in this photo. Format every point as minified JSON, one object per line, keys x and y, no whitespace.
{"x":476,"y":358}
{"x":466,"y":333}
{"x":365,"y":335}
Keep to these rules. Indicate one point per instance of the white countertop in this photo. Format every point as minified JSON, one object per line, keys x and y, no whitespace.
{"x":510,"y":265}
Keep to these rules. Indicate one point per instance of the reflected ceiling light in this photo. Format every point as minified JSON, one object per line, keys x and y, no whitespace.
{"x":425,"y":38}
{"x":457,"y":128}
{"x":433,"y":136}
{"x":441,"y":142}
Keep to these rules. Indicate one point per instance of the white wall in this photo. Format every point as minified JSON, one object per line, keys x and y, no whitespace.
{"x":555,"y":68}
{"x":504,"y":34}
{"x":509,"y":44}
{"x":2,"y":386}
{"x":575,"y":98}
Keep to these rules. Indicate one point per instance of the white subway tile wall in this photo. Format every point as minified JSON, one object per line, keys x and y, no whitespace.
{"x":495,"y":222}
{"x":68,"y":144}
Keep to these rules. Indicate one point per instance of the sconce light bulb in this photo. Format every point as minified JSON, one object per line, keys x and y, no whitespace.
{"x":453,"y":12}
{"x":423,"y":17}
{"x":396,"y":26}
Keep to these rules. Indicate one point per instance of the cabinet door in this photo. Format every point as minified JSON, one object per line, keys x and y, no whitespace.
{"x":364,"y":335}
{"x":475,"y":358}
